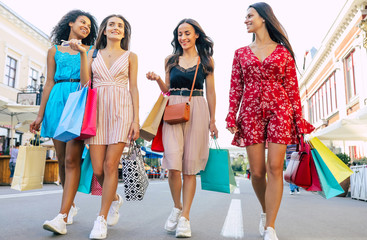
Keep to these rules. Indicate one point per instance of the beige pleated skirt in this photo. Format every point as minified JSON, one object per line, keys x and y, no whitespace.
{"x":186,"y":145}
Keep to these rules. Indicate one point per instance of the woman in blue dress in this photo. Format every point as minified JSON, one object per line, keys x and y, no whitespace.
{"x":63,"y":77}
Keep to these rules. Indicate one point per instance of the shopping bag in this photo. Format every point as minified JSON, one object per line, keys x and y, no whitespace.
{"x":329,"y":184}
{"x":218,"y":175}
{"x":157,"y":143}
{"x":298,"y":170}
{"x":29,"y":168}
{"x":315,"y":181}
{"x":151,"y":123}
{"x":336,"y":166}
{"x":89,"y":126}
{"x":96,"y":188}
{"x":134,"y":176}
{"x":72,"y":116}
{"x":86,"y":174}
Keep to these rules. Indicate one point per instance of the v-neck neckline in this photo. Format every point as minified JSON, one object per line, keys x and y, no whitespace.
{"x":262,"y":62}
{"x":113,"y":64}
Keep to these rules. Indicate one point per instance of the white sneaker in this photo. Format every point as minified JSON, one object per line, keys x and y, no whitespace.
{"x":56,"y":225}
{"x":262,"y":224}
{"x":183,"y":228}
{"x":171,"y":223}
{"x":99,"y":230}
{"x":113,"y":214}
{"x":291,"y":193}
{"x":270,"y":234}
{"x":72,"y":213}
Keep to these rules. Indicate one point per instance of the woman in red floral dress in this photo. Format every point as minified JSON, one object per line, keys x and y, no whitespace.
{"x":264,"y":89}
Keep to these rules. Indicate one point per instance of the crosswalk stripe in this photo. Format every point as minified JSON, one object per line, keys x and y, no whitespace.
{"x":233,"y":225}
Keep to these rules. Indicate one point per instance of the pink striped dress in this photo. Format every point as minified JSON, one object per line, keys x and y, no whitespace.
{"x":114,"y":107}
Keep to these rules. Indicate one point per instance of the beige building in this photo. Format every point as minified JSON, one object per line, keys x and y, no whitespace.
{"x":23,"y":50}
{"x":334,"y":84}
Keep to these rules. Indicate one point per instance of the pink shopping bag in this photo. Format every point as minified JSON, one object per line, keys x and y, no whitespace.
{"x":89,"y":126}
{"x":96,"y":188}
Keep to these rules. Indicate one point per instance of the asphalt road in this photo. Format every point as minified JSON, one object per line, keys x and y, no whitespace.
{"x":213,"y":215}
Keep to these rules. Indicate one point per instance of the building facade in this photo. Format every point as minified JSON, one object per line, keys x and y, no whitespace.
{"x":23,"y":52}
{"x":333,"y":85}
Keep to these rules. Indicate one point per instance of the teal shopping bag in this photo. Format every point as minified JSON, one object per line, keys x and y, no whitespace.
{"x":330,"y":186}
{"x":218,"y":174}
{"x":86,"y":174}
{"x":71,"y":119}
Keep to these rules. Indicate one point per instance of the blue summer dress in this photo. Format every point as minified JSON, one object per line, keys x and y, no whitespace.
{"x":67,"y":67}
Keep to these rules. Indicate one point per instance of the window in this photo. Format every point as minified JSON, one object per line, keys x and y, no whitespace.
{"x":323,"y":102}
{"x":350,"y":85}
{"x":10,"y":71}
{"x":33,"y":77}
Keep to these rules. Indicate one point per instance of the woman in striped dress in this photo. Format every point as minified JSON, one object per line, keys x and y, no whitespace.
{"x":114,"y":71}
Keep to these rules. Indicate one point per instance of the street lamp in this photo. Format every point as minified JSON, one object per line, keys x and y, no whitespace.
{"x":39,"y":95}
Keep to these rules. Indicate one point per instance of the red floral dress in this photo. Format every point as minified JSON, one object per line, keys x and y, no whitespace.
{"x":269,"y":97}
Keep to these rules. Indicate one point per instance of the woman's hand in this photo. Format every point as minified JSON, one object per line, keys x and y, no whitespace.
{"x":134,"y":131}
{"x":233,"y":130}
{"x":152,"y":76}
{"x":35,"y":126}
{"x":77,"y":46}
{"x":213,"y":130}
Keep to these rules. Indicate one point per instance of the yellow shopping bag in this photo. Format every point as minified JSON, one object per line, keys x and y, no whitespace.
{"x":335,"y":165}
{"x":29,"y":168}
{"x":151,"y":123}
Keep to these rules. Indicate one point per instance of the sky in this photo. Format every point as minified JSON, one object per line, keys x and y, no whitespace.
{"x":306,"y":22}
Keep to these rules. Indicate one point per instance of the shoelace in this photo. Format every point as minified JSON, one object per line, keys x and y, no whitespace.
{"x":174,"y":215}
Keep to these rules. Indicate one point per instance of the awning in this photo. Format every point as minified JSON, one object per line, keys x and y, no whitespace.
{"x":345,"y":129}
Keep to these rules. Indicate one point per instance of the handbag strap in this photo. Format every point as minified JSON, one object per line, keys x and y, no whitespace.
{"x":93,"y":57}
{"x":193,"y":83}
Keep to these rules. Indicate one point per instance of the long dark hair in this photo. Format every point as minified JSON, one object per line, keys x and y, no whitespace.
{"x":102,"y":39}
{"x":62,"y":30}
{"x":276,"y":31}
{"x":203,"y":44}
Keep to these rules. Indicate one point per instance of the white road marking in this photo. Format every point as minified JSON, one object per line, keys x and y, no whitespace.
{"x":41,"y":193}
{"x":233,"y":225}
{"x":29,"y":194}
{"x":237,"y":189}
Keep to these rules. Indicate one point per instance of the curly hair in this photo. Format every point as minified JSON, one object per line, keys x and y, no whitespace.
{"x":62,"y":30}
{"x":203,"y":43}
{"x":102,"y":39}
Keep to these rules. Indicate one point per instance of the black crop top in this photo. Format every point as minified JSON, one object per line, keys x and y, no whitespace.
{"x":183,"y":78}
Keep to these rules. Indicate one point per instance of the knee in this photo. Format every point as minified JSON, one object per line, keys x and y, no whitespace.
{"x":110,"y":166}
{"x":174,"y":174}
{"x":71,"y":163}
{"x":275,"y":169}
{"x":61,"y":159}
{"x":258,"y":175}
{"x":98,"y":173}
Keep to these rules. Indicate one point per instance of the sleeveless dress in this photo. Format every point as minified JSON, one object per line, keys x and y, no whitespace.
{"x":67,"y":67}
{"x":115,"y":108}
{"x":186,"y":145}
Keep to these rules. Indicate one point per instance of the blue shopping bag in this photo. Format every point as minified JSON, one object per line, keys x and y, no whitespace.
{"x":72,"y":116}
{"x":330,"y":186}
{"x":86,"y":174}
{"x":218,"y":174}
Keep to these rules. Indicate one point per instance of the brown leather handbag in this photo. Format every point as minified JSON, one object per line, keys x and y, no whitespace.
{"x":180,"y":113}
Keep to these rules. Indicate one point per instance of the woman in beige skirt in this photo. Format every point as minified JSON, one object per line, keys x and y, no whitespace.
{"x":186,"y":144}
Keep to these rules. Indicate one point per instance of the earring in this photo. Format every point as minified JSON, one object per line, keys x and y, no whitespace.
{"x":263,"y":20}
